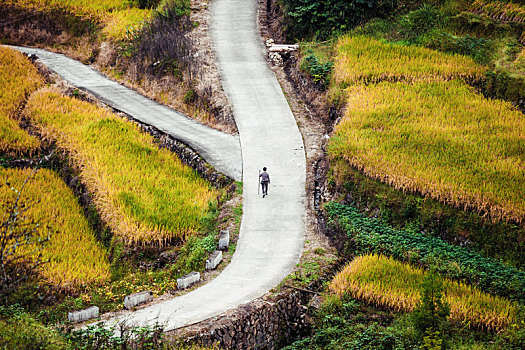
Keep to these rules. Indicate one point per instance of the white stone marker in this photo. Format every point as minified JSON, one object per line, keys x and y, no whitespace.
{"x":224,"y":240}
{"x":83,"y":315}
{"x":214,"y":260}
{"x":187,"y":280}
{"x":137,"y":298}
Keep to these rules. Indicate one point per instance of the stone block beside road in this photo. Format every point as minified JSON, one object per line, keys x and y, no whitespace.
{"x":83,"y":315}
{"x":224,"y":240}
{"x":135,"y":299}
{"x":214,"y":260}
{"x":187,"y":280}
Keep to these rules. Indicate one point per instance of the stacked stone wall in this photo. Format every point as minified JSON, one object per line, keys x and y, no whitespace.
{"x":260,"y":324}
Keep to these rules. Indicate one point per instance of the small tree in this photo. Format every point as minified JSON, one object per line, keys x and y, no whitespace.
{"x":18,"y":232}
{"x":430,"y":318}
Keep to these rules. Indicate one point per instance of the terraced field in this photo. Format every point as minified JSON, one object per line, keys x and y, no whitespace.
{"x":145,"y":194}
{"x":73,"y":257}
{"x":18,"y":79}
{"x":119,"y":18}
{"x":440,"y":139}
{"x":385,"y":281}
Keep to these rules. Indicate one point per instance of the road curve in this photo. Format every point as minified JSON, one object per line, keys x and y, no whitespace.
{"x":272,"y":229}
{"x":219,"y":149}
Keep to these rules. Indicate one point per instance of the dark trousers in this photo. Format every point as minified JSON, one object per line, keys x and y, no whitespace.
{"x":264,"y":186}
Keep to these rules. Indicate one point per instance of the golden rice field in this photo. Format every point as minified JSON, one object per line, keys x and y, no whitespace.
{"x":18,"y":78}
{"x":364,"y":59}
{"x":440,"y":139}
{"x":116,"y":16}
{"x":502,"y":10}
{"x":384,"y":281}
{"x":145,"y":194}
{"x":75,"y":257}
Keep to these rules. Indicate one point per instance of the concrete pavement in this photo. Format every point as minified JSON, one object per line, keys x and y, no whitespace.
{"x":219,"y":149}
{"x":272,"y":229}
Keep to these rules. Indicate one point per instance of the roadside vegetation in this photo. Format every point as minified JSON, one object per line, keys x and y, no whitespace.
{"x":18,"y":79}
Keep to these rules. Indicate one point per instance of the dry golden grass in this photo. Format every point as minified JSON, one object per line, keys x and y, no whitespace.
{"x":75,"y":257}
{"x":116,"y":16}
{"x":439,"y":139}
{"x":145,"y":194}
{"x":501,"y":10}
{"x":18,"y":78}
{"x":364,"y":59}
{"x":386,"y":282}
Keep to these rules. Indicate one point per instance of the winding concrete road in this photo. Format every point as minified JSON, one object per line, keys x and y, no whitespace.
{"x":272,"y":229}
{"x":220,"y":149}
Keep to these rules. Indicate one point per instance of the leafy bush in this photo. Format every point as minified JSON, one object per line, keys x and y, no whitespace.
{"x":307,"y":18}
{"x":98,"y":336}
{"x":430,"y":316}
{"x":320,"y":72}
{"x":420,"y":21}
{"x":371,"y":235}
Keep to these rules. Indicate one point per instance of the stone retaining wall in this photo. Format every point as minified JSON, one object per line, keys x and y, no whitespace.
{"x":260,"y":324}
{"x":187,"y":155}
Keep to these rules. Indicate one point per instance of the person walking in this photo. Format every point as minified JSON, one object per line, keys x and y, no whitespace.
{"x":265,"y":181}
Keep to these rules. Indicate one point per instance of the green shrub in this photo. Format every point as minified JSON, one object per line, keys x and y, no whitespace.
{"x":18,"y":330}
{"x":430,"y":317}
{"x":98,"y":336}
{"x":373,"y":236}
{"x":420,"y":21}
{"x":320,"y":72}
{"x":307,"y":18}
